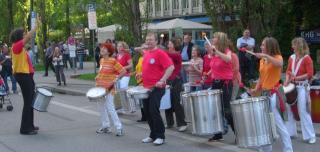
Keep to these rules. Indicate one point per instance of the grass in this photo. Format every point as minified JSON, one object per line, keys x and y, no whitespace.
{"x":39,"y":67}
{"x":91,"y":77}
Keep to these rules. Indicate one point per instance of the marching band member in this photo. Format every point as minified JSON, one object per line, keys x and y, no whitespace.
{"x":175,"y":83}
{"x":139,"y":79}
{"x":194,"y":70}
{"x":300,"y":71}
{"x":271,"y":63}
{"x":222,"y":74}
{"x":156,"y":69}
{"x":110,"y":71}
{"x":206,"y":78}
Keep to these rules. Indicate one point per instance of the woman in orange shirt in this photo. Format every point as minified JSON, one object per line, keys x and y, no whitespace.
{"x":110,"y":71}
{"x":271,"y":63}
{"x":300,"y":71}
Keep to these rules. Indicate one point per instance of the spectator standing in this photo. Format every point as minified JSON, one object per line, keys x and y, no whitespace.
{"x":58,"y":64}
{"x":48,"y":60}
{"x":80,"y":53}
{"x":186,"y":55}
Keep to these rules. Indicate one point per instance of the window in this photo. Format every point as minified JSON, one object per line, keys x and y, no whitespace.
{"x":175,"y":4}
{"x":157,"y":5}
{"x":166,"y":5}
{"x":185,"y":3}
{"x":195,"y":3}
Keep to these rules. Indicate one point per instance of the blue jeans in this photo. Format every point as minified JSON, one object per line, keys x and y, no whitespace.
{"x":80,"y":60}
{"x":13,"y":81}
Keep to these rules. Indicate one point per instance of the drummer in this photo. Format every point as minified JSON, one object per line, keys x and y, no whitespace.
{"x":271,"y":63}
{"x":222,"y":74}
{"x":299,"y":72}
{"x":156,"y":69}
{"x":175,"y":82}
{"x":110,"y":71}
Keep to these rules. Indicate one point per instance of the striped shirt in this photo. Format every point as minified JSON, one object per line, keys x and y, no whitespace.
{"x":195,"y":76}
{"x":109,"y":69}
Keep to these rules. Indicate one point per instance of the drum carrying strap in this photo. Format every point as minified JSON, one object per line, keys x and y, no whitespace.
{"x":294,"y":69}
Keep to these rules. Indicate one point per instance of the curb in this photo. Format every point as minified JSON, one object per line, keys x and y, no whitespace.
{"x":63,"y":90}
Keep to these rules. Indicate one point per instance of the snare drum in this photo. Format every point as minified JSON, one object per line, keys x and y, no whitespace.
{"x":138,"y":92}
{"x":315,"y":103}
{"x":42,"y":100}
{"x":96,"y":94}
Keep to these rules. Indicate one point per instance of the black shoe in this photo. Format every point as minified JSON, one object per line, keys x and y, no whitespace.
{"x":217,"y":137}
{"x":169,"y":126}
{"x":33,"y":132}
{"x":64,"y":83}
{"x":36,"y":128}
{"x":59,"y":84}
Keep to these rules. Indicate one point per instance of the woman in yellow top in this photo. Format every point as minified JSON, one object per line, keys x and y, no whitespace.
{"x":23,"y":72}
{"x":271,"y":63}
{"x":139,"y":81}
{"x":110,"y":71}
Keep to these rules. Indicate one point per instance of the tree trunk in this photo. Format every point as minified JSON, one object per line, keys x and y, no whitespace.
{"x":136,"y":21}
{"x":10,"y":23}
{"x":68,"y":29}
{"x":44,"y":24}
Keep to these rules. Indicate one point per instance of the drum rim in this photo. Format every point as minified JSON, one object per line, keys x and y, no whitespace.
{"x":205,"y":92}
{"x":290,"y":87}
{"x":95,"y":88}
{"x":39,"y":90}
{"x":248,"y":100}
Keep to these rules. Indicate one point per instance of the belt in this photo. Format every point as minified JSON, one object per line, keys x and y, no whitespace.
{"x":301,"y":83}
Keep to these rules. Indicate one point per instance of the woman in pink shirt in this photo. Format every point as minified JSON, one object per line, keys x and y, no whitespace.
{"x":222,"y":75}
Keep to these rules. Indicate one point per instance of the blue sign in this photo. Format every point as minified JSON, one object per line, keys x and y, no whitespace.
{"x":91,"y":7}
{"x":312,"y":37}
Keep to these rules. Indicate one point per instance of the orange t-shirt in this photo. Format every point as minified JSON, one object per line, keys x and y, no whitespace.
{"x":306,"y":66}
{"x":109,"y":69}
{"x":269,"y":73}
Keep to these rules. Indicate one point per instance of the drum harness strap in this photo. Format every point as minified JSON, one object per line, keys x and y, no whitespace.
{"x":304,"y":83}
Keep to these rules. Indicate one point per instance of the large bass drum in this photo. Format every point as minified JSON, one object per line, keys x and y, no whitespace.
{"x":206,"y":112}
{"x":253,"y":122}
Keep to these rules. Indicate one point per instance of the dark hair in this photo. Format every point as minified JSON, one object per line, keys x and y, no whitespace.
{"x":176,"y":44}
{"x":16,"y":35}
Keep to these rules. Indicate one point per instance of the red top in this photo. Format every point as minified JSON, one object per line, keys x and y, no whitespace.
{"x":177,"y":62}
{"x":221,"y":70}
{"x":18,"y":48}
{"x":123,"y":60}
{"x":306,"y":66}
{"x":154,"y":64}
{"x":206,"y":68}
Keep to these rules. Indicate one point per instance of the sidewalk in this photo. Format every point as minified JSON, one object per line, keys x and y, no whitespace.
{"x":78,"y":87}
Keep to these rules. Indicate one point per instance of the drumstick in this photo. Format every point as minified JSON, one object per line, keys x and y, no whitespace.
{"x":207,"y":40}
{"x":250,"y":52}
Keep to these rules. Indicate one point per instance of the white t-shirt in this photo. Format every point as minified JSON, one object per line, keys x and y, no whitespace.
{"x":250,"y":41}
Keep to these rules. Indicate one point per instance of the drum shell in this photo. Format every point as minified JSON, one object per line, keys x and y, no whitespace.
{"x":41,"y":101}
{"x":187,"y":87}
{"x":186,"y":104}
{"x":315,"y":103}
{"x":252,"y":122}
{"x":206,"y":112}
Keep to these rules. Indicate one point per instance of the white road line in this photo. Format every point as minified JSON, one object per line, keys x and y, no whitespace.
{"x":169,"y":132}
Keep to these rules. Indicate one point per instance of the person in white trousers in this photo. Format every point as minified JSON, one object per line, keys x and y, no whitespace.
{"x":299,"y":72}
{"x":110,"y":71}
{"x":271,"y":63}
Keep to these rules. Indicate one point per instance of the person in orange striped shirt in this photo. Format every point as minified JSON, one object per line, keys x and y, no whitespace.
{"x":110,"y":71}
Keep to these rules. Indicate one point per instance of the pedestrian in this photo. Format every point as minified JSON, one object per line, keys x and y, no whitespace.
{"x":186,"y":50}
{"x":6,"y":62}
{"x":110,"y":71}
{"x":156,"y":69}
{"x":80,"y":53}
{"x":48,"y":59}
{"x":222,"y":74}
{"x":97,"y":55}
{"x":300,"y":72}
{"x":247,"y":61}
{"x":58,"y":65}
{"x":194,"y":70}
{"x":66,"y":55}
{"x":271,"y":63}
{"x":175,"y":83}
{"x":23,"y":72}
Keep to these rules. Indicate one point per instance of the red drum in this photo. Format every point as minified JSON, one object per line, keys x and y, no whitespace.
{"x":315,"y":103}
{"x":291,"y":93}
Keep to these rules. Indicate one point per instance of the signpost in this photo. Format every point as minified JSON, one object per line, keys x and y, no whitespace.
{"x":33,"y":24}
{"x":92,"y":22}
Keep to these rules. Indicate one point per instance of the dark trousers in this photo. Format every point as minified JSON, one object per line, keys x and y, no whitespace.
{"x":48,"y":63}
{"x":27,"y":86}
{"x":247,"y":65}
{"x":226,"y":87}
{"x":66,"y":59}
{"x":151,"y":107}
{"x":176,"y":88}
{"x":97,"y":57}
{"x":59,"y":73}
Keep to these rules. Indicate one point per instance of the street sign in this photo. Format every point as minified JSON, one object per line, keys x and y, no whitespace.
{"x":312,"y":36}
{"x":92,"y":17}
{"x":33,"y":19}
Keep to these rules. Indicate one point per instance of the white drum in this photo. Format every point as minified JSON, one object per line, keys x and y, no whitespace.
{"x":96,"y":94}
{"x":165,"y":102}
{"x":42,"y":99}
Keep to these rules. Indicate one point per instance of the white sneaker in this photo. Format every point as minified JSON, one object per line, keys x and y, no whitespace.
{"x":183,"y":128}
{"x":147,"y":140}
{"x":119,"y":132}
{"x":312,"y":140}
{"x":158,"y":141}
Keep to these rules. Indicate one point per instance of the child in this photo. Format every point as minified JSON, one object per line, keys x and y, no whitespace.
{"x":110,"y":71}
{"x":58,"y":65}
{"x":195,"y":69}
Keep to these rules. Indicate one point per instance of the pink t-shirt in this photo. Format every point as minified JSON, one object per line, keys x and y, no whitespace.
{"x":154,"y":64}
{"x":221,"y":70}
{"x":123,"y":60}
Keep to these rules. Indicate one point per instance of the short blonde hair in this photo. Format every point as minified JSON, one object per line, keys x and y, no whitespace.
{"x":301,"y":45}
{"x":222,"y":41}
{"x":124,"y":44}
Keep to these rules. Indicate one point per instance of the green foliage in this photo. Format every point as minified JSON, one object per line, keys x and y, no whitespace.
{"x":87,"y":76}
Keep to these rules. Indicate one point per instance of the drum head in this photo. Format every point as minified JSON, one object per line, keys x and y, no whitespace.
{"x":45,"y":92}
{"x":137,"y":90}
{"x":288,"y":88}
{"x":186,"y":63}
{"x":315,"y":87}
{"x":96,"y":92}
